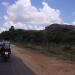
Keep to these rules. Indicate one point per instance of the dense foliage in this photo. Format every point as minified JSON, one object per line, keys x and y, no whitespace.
{"x":40,"y":37}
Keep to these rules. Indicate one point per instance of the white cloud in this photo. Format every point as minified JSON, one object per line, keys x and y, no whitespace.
{"x":22,"y":14}
{"x":2,"y":29}
{"x":73,"y":23}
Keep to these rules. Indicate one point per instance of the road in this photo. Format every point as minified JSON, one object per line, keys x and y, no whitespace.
{"x":14,"y":66}
{"x":25,"y":61}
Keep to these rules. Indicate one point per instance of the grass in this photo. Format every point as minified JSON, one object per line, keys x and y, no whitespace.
{"x":60,"y":51}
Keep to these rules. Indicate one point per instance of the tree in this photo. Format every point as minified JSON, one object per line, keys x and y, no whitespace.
{"x":12,"y":28}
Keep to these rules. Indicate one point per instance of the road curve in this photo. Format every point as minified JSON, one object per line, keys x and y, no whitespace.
{"x":14,"y":66}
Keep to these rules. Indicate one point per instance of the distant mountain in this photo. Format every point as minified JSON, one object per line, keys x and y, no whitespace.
{"x":60,"y":27}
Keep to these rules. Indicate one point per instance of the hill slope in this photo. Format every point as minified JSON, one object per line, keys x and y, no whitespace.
{"x":60,"y":26}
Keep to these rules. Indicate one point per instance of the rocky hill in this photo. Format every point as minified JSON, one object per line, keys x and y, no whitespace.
{"x":60,"y":26}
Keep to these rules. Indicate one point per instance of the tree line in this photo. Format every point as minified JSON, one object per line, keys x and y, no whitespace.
{"x":40,"y":37}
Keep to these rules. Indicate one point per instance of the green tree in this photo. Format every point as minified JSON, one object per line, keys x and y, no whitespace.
{"x":12,"y":28}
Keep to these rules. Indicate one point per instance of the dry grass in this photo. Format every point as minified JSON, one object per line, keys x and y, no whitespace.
{"x":60,"y":51}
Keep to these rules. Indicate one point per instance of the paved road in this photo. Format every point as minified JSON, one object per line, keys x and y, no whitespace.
{"x":14,"y":67}
{"x":40,"y":64}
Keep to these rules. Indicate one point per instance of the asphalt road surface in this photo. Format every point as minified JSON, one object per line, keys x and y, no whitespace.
{"x":14,"y":66}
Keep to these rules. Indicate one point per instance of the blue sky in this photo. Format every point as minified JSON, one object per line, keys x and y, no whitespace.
{"x":3,"y":10}
{"x":66,"y":8}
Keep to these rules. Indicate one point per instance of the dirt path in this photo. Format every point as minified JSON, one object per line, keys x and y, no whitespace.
{"x":43,"y":65}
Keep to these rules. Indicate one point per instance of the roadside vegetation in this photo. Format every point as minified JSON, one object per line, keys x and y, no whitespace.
{"x":54,"y":42}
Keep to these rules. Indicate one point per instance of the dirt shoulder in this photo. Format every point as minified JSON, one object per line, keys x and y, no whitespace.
{"x":43,"y":65}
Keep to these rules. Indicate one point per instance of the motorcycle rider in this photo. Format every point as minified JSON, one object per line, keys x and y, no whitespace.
{"x":6,"y":46}
{"x":6,"y":43}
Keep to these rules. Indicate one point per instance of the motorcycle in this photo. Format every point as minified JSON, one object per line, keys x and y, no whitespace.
{"x":5,"y":54}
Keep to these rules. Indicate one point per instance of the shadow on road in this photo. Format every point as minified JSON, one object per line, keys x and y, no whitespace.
{"x":14,"y":67}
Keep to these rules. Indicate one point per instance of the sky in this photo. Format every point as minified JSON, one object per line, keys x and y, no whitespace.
{"x":35,"y":14}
